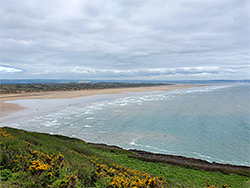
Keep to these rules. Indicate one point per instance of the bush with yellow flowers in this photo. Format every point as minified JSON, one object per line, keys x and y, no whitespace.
{"x":5,"y":134}
{"x":41,"y":160}
{"x":120,"y":176}
{"x":216,"y":186}
{"x":41,"y":168}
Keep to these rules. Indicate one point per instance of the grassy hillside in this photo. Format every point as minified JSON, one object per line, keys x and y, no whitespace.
{"x":29,"y":159}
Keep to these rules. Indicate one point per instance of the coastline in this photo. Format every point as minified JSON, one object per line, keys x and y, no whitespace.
{"x":9,"y":108}
{"x":182,"y":161}
{"x":176,"y":160}
{"x":143,"y":155}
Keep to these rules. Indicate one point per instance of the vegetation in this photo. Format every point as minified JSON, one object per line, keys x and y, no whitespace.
{"x":25,"y":88}
{"x":29,"y":159}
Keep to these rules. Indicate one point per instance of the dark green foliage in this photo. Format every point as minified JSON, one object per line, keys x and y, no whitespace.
{"x":5,"y":174}
{"x":26,"y":88}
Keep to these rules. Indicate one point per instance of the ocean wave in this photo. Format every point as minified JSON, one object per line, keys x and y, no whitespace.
{"x":49,"y":124}
{"x":88,"y":112}
{"x":159,"y":96}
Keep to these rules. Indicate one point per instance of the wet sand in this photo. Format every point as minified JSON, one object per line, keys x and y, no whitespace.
{"x":8,"y":108}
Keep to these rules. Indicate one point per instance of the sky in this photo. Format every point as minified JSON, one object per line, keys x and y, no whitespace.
{"x":125,"y":39}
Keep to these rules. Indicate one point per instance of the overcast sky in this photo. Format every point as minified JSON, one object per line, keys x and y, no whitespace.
{"x":125,"y":39}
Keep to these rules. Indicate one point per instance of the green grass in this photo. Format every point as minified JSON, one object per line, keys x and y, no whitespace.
{"x":177,"y":176}
{"x":84,"y":165}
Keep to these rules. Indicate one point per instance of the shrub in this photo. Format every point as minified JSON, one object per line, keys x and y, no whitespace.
{"x":5,"y":174}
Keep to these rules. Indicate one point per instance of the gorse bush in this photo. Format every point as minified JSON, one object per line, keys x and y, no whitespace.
{"x":40,"y":160}
{"x":44,"y":169}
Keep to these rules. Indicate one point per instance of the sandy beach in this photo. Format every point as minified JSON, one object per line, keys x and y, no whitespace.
{"x":8,"y":108}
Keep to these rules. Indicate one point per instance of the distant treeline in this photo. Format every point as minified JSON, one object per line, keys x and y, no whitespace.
{"x":27,"y":88}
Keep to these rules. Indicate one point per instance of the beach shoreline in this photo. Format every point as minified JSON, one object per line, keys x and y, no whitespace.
{"x":9,"y":108}
{"x":144,"y":155}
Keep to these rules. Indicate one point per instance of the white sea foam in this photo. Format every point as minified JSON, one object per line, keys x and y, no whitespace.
{"x":134,"y":140}
{"x":123,"y":104}
{"x":103,"y":132}
{"x":88,"y":112}
{"x":133,"y":143}
{"x":49,"y":123}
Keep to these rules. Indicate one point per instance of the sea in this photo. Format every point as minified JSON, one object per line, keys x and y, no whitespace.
{"x":210,"y":122}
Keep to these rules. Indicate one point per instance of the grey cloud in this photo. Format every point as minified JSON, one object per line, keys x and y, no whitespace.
{"x":43,"y":36}
{"x":85,"y":71}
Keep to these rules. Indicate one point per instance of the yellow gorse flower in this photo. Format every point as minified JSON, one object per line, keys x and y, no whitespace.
{"x":124,"y":177}
{"x":5,"y":134}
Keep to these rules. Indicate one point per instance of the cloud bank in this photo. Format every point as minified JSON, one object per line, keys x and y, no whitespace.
{"x":130,"y":39}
